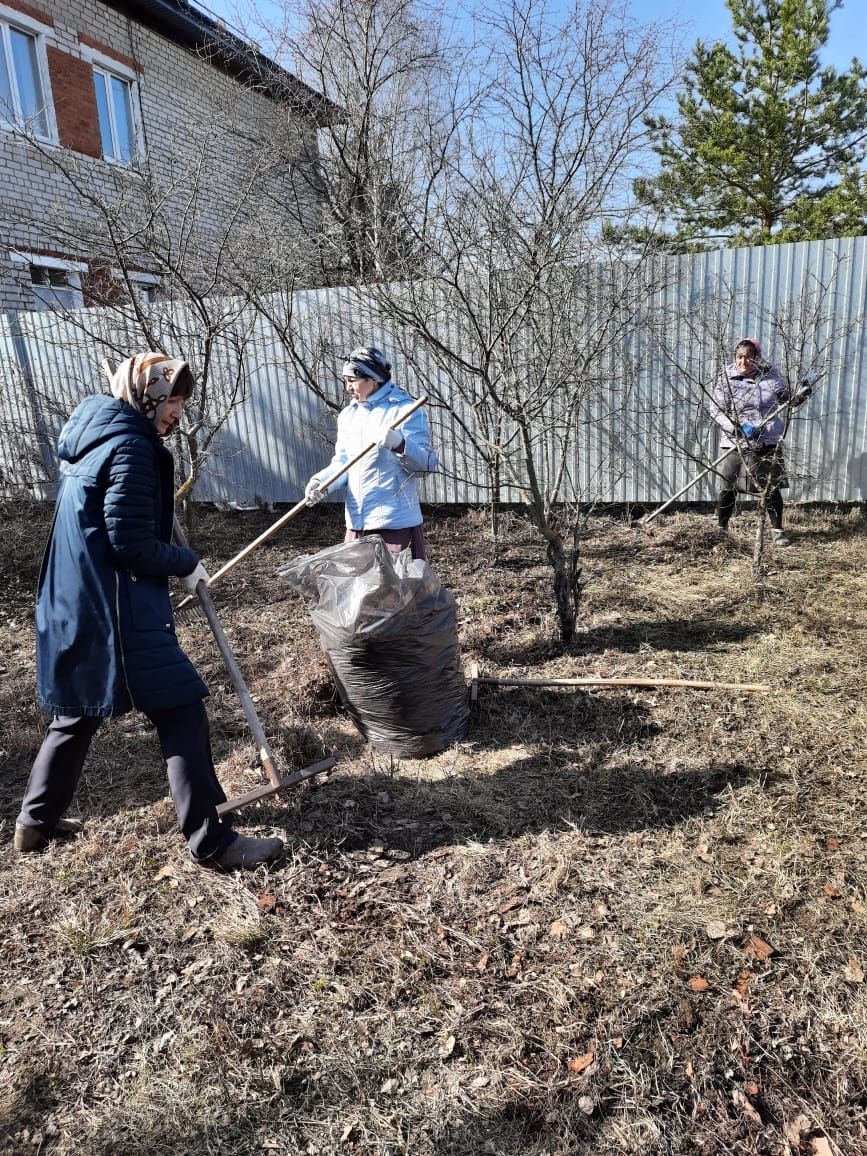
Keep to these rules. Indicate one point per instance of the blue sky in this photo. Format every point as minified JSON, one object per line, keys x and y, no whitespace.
{"x":848,"y":24}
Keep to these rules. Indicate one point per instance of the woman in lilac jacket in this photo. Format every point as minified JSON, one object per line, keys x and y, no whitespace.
{"x":381,"y":495}
{"x":744,"y":398}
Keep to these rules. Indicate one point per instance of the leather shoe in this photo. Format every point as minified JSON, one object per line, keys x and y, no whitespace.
{"x":244,"y":851}
{"x":32,"y":840}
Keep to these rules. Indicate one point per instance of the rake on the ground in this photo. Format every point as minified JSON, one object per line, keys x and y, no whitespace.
{"x":598,"y":682}
{"x":276,"y":782}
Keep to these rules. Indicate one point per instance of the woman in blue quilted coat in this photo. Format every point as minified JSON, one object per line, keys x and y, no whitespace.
{"x":105,"y":636}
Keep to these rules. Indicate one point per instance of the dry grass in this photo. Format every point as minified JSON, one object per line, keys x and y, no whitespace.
{"x":617,"y":922}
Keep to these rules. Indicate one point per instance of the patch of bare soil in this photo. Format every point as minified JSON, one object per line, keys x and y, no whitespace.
{"x":623,"y":921}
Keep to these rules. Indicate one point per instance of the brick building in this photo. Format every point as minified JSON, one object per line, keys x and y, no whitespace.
{"x":149,"y":115}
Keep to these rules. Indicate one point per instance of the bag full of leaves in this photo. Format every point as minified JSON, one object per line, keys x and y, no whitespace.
{"x":389,"y":630}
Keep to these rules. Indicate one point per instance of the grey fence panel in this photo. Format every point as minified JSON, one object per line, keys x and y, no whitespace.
{"x":645,"y":432}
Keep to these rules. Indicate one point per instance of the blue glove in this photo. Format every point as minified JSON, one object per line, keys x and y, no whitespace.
{"x":748,"y":430}
{"x":805,"y":388}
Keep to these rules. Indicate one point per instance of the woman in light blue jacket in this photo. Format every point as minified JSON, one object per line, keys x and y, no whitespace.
{"x":381,"y":495}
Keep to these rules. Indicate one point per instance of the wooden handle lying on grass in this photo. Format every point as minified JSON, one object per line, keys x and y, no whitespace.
{"x":598,"y":681}
{"x":299,"y":506}
{"x":757,"y":687}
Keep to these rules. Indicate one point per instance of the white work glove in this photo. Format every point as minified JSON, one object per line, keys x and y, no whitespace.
{"x":392,"y":439}
{"x":313,"y":492}
{"x":191,"y":581}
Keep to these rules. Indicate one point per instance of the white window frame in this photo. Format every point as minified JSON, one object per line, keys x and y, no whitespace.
{"x":139,"y":280}
{"x":21,"y":22}
{"x":111,"y":69}
{"x":75,"y":268}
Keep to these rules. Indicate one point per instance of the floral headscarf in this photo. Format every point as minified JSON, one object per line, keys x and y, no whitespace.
{"x":147,"y":380}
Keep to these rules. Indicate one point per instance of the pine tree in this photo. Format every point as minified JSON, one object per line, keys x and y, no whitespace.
{"x":767,"y":145}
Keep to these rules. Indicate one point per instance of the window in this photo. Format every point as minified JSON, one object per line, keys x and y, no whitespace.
{"x":22,"y":92}
{"x":146,"y":289}
{"x":145,"y":286}
{"x":56,"y":288}
{"x":55,"y":282}
{"x":114,"y":102}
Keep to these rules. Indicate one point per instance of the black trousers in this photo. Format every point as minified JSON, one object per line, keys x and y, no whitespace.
{"x":186,"y":746}
{"x":765,"y":473}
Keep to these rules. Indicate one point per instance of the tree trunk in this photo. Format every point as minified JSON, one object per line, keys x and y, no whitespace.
{"x":188,"y":518}
{"x":494,"y":507}
{"x":759,"y":542}
{"x":564,"y":588}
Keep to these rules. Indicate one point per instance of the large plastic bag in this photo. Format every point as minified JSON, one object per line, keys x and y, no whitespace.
{"x":389,"y":630}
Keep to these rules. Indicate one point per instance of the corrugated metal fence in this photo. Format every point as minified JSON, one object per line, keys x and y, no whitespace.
{"x":638,"y":444}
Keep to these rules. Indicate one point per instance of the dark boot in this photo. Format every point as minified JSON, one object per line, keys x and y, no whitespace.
{"x":32,"y":840}
{"x":244,"y":851}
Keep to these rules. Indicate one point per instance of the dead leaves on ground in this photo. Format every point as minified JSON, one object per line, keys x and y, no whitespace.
{"x":753,"y":946}
{"x":742,"y":1102}
{"x":581,"y":1063}
{"x":758,"y":948}
{"x":801,"y":1136}
{"x":853,"y":972}
{"x":268,"y":904}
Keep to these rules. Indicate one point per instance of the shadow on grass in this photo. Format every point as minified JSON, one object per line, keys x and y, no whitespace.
{"x":521,"y":1126}
{"x":580,"y":774}
{"x":124,"y":768}
{"x":521,"y":798}
{"x":679,"y":634}
{"x":38,"y":1094}
{"x":842,"y":531}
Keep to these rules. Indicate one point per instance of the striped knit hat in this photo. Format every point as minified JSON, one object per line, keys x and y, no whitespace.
{"x":366,"y":361}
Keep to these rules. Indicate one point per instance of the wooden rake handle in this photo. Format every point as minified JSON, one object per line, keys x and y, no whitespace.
{"x":593,"y":681}
{"x":708,"y":469}
{"x":299,"y":506}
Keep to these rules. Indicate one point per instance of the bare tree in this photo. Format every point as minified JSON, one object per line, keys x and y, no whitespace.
{"x":387,"y":70}
{"x":525,"y":308}
{"x":467,"y":193}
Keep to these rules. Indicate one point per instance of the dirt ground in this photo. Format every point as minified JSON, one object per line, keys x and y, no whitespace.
{"x":622,"y":921}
